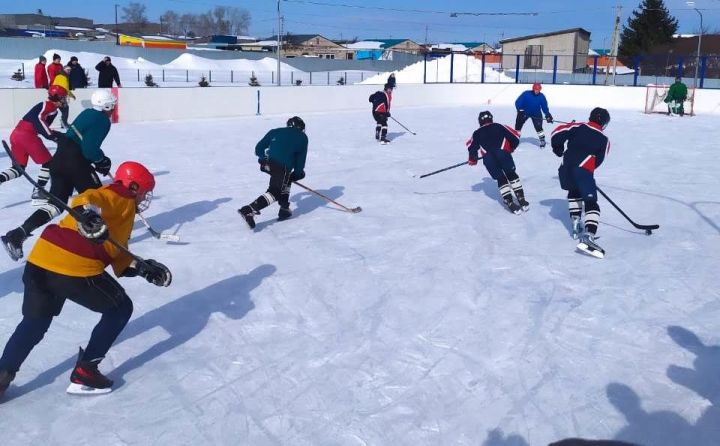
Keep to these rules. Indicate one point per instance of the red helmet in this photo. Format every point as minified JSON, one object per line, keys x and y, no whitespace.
{"x":138,"y":179}
{"x":57,"y":93}
{"x":536,"y":87}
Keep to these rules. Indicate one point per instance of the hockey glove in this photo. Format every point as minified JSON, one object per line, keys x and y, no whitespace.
{"x":92,"y":226}
{"x":152,"y":271}
{"x":472,"y":161}
{"x":549,"y":119}
{"x":296,"y":176}
{"x":558,"y":150}
{"x":55,"y":135}
{"x":521,"y":114}
{"x":103,"y":166}
{"x":387,"y":114}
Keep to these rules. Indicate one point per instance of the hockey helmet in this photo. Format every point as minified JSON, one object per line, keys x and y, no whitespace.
{"x":57,"y":93}
{"x":600,"y":116}
{"x":297,"y":123}
{"x":536,"y":87}
{"x":103,"y":100}
{"x":139,"y":180}
{"x":485,"y":117}
{"x":387,"y":87}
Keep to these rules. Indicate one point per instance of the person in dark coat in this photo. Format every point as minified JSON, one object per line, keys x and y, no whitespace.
{"x":108,"y":74}
{"x":78,"y":79}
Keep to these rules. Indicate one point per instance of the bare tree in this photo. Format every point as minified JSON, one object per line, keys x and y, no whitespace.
{"x":171,"y":19}
{"x":221,"y":25}
{"x":238,"y":21}
{"x":135,"y":13}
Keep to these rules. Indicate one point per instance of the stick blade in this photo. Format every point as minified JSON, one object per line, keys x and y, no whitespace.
{"x":169,"y":237}
{"x":356,"y":210}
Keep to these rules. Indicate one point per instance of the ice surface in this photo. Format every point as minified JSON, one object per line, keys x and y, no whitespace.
{"x":433,"y":317}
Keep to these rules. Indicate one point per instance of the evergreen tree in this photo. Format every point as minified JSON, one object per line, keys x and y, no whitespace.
{"x":649,"y":25}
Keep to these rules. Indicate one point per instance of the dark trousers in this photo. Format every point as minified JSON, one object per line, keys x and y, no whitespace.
{"x":45,"y":295}
{"x":381,"y":121}
{"x":278,"y":189}
{"x":500,"y":165}
{"x":69,"y":171}
{"x":522,"y":117}
{"x":581,"y":187}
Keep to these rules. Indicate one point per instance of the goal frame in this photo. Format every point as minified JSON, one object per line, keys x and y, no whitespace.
{"x":650,"y":89}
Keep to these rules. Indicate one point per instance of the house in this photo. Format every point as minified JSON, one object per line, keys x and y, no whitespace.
{"x":400,"y":45}
{"x":366,"y":50}
{"x":312,"y":45}
{"x":538,"y":51}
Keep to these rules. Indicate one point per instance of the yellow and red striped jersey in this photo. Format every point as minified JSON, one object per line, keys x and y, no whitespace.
{"x":63,"y":250}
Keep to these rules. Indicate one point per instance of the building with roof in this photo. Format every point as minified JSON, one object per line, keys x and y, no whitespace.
{"x":538,"y":51}
{"x":312,"y":45}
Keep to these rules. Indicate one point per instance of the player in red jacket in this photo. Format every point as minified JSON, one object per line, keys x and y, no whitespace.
{"x":41,"y":77}
{"x":24,"y":140}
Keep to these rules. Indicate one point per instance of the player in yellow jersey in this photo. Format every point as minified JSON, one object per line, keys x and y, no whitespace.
{"x":69,"y":261}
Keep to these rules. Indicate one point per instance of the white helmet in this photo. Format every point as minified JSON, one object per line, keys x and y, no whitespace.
{"x":103,"y":100}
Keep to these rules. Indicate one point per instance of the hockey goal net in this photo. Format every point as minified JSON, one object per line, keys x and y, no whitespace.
{"x":655,"y":100}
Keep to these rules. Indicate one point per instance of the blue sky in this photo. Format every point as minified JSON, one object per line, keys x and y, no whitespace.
{"x":411,"y":18}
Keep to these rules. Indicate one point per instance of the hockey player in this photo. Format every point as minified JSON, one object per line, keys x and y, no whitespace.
{"x":496,"y":142}
{"x":68,"y":262}
{"x":531,"y":104}
{"x":583,"y":148}
{"x":381,"y":112}
{"x":74,"y":166}
{"x":25,"y":143}
{"x":676,"y":97}
{"x":391,"y":81}
{"x":281,"y":154}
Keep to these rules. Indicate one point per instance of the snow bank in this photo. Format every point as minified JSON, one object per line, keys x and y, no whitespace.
{"x":465,"y":69}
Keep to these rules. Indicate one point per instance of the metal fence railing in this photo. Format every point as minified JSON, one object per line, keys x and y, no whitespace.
{"x":576,"y":70}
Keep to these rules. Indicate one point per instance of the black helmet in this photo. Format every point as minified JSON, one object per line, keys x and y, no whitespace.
{"x":485,"y":117}
{"x":296,"y":123}
{"x":600,"y":116}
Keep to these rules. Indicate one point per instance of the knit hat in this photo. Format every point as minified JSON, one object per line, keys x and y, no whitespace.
{"x":56,"y":56}
{"x":43,"y":59}
{"x":73,"y":59}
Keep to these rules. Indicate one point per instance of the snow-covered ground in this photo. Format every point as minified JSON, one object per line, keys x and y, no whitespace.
{"x":432,"y":317}
{"x":465,"y":69}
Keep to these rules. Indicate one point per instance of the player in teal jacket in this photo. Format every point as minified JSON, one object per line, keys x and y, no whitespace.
{"x":281,"y":153}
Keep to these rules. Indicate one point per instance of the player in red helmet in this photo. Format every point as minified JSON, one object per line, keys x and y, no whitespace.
{"x":531,"y":104}
{"x":26,"y":144}
{"x":68,"y":262}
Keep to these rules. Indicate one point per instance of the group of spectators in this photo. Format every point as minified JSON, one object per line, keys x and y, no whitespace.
{"x":72,"y":76}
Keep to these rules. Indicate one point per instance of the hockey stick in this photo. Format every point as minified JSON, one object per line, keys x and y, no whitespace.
{"x":354,"y":210}
{"x":647,"y":228}
{"x":401,"y":125}
{"x":76,"y":215}
{"x":156,"y":234}
{"x":442,"y":170}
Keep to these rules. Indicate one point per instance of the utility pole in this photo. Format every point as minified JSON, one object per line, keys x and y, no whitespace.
{"x":279,"y":42}
{"x":426,"y":34}
{"x":614,"y":45}
{"x":697,"y":61}
{"x":117,"y":32}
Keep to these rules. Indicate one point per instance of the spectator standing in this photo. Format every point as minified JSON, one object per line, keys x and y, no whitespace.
{"x":108,"y":73}
{"x":54,"y":68}
{"x":41,"y":77}
{"x":78,"y":79}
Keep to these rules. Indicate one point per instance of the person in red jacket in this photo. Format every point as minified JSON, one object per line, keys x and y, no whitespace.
{"x":41,"y":77}
{"x":54,"y":68}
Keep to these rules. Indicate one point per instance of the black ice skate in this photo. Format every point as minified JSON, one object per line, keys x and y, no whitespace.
{"x":377,"y":134}
{"x":588,"y":246}
{"x":542,"y":142}
{"x":5,"y":380}
{"x":384,"y":140}
{"x":38,"y":198}
{"x":13,"y":242}
{"x":512,"y":206}
{"x":248,"y":214}
{"x":86,"y":379}
{"x":284,"y":214}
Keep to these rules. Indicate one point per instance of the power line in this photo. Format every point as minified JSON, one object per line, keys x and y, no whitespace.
{"x":421,"y":11}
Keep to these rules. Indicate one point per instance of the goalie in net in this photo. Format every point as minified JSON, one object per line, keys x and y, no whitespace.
{"x":676,"y":99}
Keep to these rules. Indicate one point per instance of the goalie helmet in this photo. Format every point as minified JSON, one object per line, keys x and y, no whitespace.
{"x":600,"y":116}
{"x":485,"y":117}
{"x":139,"y":180}
{"x":103,"y":100}
{"x":297,"y":123}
